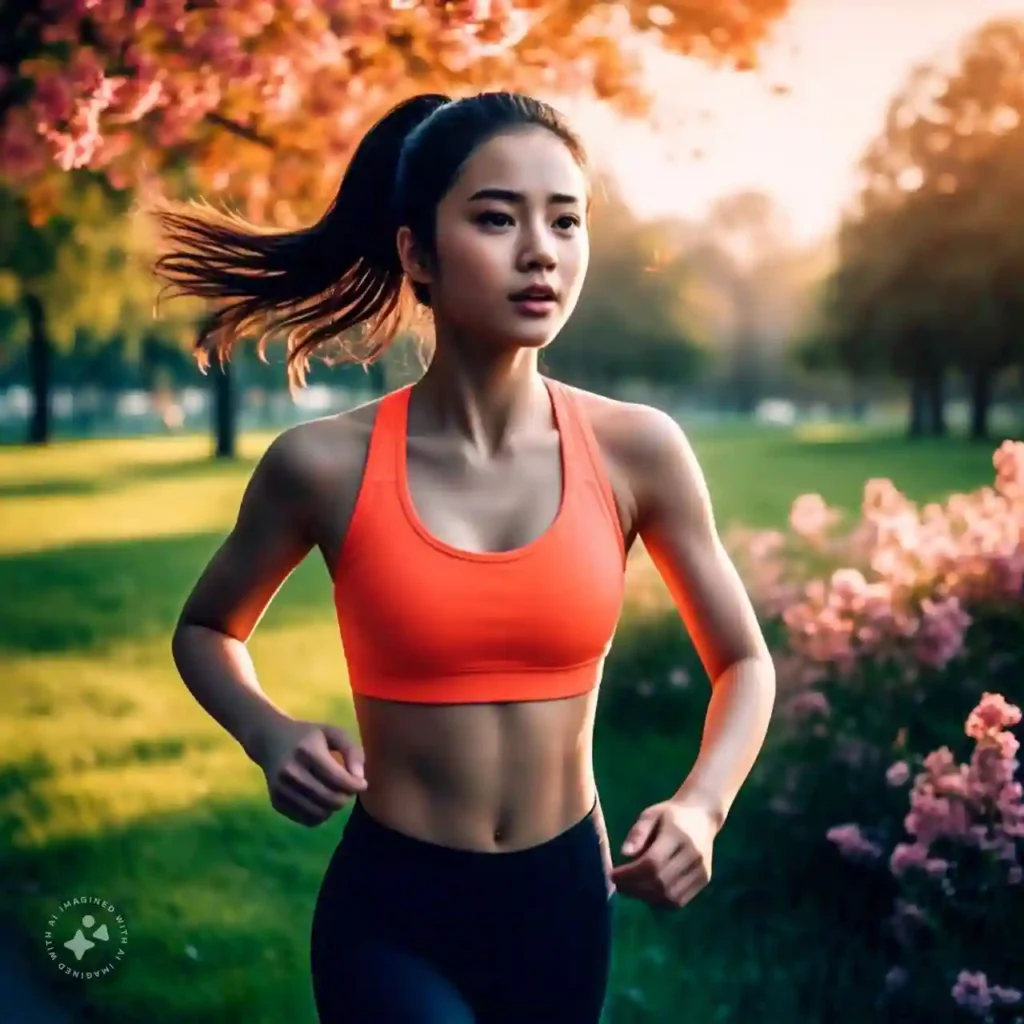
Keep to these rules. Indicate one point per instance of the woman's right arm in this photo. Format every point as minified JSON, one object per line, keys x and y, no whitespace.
{"x":269,"y":539}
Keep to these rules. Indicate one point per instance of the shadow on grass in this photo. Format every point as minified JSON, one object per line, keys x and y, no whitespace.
{"x":126,"y":474}
{"x":20,"y":781}
{"x":217,"y":903}
{"x":88,"y":597}
{"x":71,"y":487}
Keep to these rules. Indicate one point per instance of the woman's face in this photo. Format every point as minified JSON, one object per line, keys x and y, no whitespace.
{"x":512,"y":246}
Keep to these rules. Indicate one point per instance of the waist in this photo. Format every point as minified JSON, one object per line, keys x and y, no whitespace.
{"x":497,"y":686}
{"x":487,"y":777}
{"x":364,"y":827}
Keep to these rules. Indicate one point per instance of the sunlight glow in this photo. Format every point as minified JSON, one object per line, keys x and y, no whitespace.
{"x":796,"y":127}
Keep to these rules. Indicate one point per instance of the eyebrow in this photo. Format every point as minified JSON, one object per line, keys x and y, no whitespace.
{"x":508,"y":196}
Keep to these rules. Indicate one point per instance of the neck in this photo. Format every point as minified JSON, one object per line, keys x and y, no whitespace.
{"x":484,"y":401}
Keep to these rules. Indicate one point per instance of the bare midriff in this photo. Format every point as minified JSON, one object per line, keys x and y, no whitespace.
{"x":486,"y":777}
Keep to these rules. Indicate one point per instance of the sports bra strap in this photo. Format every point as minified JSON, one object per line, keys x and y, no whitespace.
{"x":387,"y":434}
{"x":589,"y":444}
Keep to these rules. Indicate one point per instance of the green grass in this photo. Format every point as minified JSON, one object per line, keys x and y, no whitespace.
{"x":113,"y":783}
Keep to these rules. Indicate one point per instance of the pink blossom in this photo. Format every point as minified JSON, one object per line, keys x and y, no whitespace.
{"x":939,"y":761}
{"x":993,"y":713}
{"x":907,"y":855}
{"x":810,"y":516}
{"x":1009,"y":464}
{"x":808,"y":704}
{"x":971,"y":993}
{"x":897,"y":773}
{"x":853,"y":844}
{"x":974,"y":993}
{"x":940,"y":635}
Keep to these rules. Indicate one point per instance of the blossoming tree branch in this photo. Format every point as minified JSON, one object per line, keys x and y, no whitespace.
{"x":260,"y":103}
{"x":264,"y":100}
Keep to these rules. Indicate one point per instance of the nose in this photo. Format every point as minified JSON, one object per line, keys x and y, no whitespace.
{"x":538,"y":248}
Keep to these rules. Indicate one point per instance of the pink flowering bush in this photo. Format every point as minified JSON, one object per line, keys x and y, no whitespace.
{"x":884,"y":623}
{"x":957,"y":859}
{"x":898,"y":587}
{"x":887,"y":630}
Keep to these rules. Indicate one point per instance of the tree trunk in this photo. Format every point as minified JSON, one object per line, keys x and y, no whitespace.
{"x":918,"y":406}
{"x":936,"y":387}
{"x":40,"y":367}
{"x":224,"y":419}
{"x":981,"y":402}
{"x":746,"y":373}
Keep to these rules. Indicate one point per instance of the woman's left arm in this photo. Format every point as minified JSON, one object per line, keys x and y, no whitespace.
{"x":672,"y":840}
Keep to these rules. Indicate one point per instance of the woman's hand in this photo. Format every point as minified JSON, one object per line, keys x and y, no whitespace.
{"x":312,"y":769}
{"x":672,"y":845}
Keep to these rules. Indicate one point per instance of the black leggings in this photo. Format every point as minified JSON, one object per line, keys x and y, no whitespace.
{"x":409,"y":932}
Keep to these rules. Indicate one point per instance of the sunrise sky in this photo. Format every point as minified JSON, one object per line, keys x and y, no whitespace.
{"x":842,"y":59}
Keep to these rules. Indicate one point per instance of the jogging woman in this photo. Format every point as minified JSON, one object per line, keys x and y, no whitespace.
{"x":475,"y":525}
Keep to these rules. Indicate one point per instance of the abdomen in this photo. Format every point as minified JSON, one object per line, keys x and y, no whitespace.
{"x":484,"y":776}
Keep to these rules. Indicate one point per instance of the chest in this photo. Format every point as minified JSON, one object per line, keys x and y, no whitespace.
{"x":485,"y":505}
{"x":549,"y":602}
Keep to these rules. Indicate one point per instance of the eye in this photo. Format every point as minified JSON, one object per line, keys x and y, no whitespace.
{"x":568,"y":222}
{"x":495,"y":219}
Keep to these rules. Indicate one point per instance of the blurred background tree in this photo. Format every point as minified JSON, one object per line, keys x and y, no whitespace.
{"x":73,"y":284}
{"x":931,"y":253}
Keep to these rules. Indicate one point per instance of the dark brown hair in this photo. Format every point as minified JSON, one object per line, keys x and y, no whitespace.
{"x":316,"y":283}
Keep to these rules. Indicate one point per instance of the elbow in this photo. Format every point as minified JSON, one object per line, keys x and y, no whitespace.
{"x":762,"y":657}
{"x":759,"y":656}
{"x":181,"y":639}
{"x":184,"y":637}
{"x":190,"y":628}
{"x":754,"y":665}
{"x":763,"y":665}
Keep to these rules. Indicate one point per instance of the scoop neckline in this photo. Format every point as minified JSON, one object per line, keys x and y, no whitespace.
{"x":405,"y":495}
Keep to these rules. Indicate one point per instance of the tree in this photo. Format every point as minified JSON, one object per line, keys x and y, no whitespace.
{"x":931,"y":253}
{"x":261,"y":102}
{"x":76,"y":278}
{"x":742,"y":253}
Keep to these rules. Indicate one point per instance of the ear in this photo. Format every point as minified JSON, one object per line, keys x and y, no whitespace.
{"x":414,"y":260}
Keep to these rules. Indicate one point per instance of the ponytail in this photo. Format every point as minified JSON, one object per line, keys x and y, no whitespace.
{"x":311,"y":284}
{"x":314,"y":284}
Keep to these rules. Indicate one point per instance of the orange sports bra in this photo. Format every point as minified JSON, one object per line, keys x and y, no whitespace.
{"x":425,"y":622}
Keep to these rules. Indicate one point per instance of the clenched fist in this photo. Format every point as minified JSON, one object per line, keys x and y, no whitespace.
{"x":312,"y":770}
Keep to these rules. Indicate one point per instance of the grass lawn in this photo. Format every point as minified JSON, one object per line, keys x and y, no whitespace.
{"x":114,"y":784}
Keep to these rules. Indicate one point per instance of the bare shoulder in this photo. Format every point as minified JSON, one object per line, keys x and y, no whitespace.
{"x":631,"y":435}
{"x":326,"y":444}
{"x":645,"y":449}
{"x":320,"y":460}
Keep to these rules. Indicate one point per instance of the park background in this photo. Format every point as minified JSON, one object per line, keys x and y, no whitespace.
{"x":807,"y":247}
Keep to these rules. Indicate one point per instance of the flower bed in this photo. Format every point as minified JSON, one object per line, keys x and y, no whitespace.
{"x":900,"y":637}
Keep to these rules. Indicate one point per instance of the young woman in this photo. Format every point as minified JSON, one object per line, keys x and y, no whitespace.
{"x":476,"y":526}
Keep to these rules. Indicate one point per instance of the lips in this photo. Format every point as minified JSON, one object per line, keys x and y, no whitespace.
{"x":535,"y":293}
